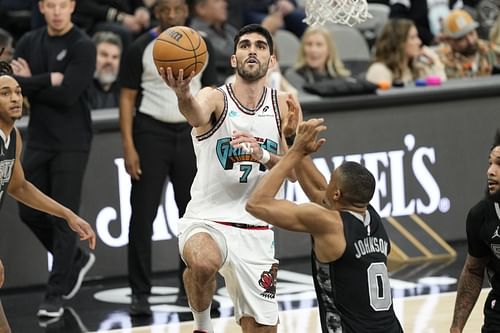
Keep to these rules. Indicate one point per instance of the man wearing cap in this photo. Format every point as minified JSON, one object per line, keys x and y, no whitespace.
{"x":462,"y":52}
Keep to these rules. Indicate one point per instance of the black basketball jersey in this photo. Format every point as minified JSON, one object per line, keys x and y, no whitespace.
{"x":354,"y":294}
{"x":483,"y":237}
{"x":7,"y":159}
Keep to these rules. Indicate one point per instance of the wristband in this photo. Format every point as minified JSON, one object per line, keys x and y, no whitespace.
{"x":265,"y":157}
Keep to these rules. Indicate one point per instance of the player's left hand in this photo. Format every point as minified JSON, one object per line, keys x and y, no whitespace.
{"x":247,"y":142}
{"x":83,"y":229}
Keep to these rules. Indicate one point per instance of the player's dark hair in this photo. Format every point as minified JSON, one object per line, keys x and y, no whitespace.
{"x":496,"y":140}
{"x":5,"y":69}
{"x":255,"y":28}
{"x":357,"y":184}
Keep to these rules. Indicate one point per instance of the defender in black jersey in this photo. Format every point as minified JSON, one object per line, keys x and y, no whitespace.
{"x":350,"y":245}
{"x":483,"y":238}
{"x":12,"y":179}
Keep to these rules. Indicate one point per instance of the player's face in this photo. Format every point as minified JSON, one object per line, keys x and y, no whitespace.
{"x":11,"y":100}
{"x":494,"y":172}
{"x":171,"y":13}
{"x":413,"y":43}
{"x":252,"y":57}
{"x":316,"y":51}
{"x":107,"y":63}
{"x":57,"y":14}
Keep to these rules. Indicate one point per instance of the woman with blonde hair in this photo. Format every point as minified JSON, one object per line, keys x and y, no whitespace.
{"x":317,"y":59}
{"x":401,"y":58}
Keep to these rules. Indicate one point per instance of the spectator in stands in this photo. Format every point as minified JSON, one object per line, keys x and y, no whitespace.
{"x":127,"y":18}
{"x":317,"y":59}
{"x":462,"y":52}
{"x":275,"y":14}
{"x":210,"y":17}
{"x":6,"y":49}
{"x":426,"y":15}
{"x":494,"y":36}
{"x":104,"y":91}
{"x":400,"y":57}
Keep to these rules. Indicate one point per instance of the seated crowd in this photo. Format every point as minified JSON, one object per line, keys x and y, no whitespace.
{"x":403,"y":53}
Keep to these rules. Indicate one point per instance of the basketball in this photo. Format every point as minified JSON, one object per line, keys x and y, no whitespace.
{"x":180,"y":47}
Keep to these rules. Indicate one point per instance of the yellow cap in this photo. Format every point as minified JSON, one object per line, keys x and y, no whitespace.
{"x":458,"y":24}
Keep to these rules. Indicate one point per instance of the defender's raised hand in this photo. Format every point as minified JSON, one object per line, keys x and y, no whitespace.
{"x":306,"y":140}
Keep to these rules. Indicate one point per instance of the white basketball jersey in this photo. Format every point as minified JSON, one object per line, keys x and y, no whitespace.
{"x":226,"y":176}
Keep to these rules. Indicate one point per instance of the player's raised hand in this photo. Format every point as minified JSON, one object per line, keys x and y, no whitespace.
{"x":306,"y":140}
{"x":292,"y":117}
{"x":179,"y":85}
{"x":83,"y":229}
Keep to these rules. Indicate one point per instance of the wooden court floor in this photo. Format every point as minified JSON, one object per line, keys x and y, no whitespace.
{"x":418,"y":314}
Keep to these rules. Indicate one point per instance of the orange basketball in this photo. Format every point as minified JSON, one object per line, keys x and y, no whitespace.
{"x":180,"y":48}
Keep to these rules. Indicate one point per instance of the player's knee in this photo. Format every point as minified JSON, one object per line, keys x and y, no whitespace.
{"x":204,"y":271}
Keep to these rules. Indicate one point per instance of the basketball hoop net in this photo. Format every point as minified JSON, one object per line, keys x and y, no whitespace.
{"x":347,"y":12}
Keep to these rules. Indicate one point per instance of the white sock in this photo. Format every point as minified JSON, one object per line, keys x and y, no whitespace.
{"x":202,"y":320}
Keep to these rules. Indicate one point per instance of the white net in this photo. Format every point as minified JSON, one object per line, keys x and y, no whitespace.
{"x":347,"y":12}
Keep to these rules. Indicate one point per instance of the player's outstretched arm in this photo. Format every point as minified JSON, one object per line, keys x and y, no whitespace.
{"x":197,"y":110}
{"x":282,"y":213}
{"x":25,"y":192}
{"x":469,"y":287}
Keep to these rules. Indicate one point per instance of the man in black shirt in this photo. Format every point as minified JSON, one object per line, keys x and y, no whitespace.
{"x":12,"y":178}
{"x":483,"y":238}
{"x":54,"y":65}
{"x":350,"y":245}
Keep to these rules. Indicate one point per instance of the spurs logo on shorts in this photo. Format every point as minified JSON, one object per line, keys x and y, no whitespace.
{"x":268,"y":282}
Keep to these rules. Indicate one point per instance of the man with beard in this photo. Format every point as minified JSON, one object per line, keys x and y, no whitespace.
{"x":216,"y":233}
{"x":462,"y":52}
{"x":104,"y":91}
{"x":12,"y":179}
{"x":483,"y":237}
{"x":157,"y":146}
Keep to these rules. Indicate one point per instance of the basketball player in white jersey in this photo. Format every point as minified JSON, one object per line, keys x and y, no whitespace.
{"x":216,"y":233}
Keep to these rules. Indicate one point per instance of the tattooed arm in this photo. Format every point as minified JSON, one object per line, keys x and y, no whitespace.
{"x":469,"y":287}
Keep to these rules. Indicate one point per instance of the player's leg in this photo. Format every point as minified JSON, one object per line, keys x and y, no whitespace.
{"x":203,"y":260}
{"x":4,"y":324}
{"x":66,"y":174}
{"x":150,"y":139}
{"x":249,"y":325}
{"x":36,"y":170}
{"x":204,"y":251}
{"x":251,"y":279}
